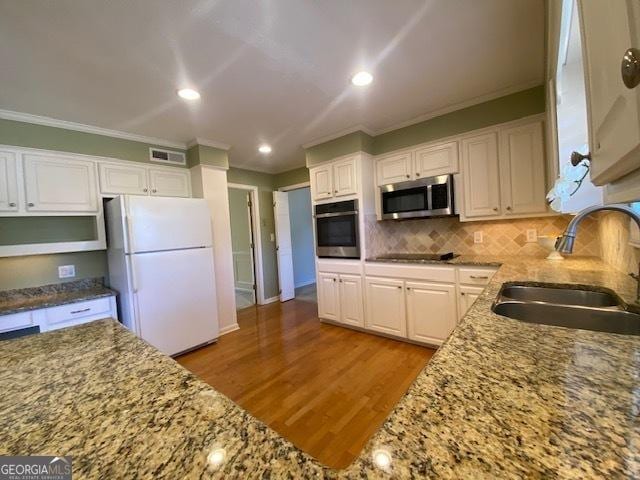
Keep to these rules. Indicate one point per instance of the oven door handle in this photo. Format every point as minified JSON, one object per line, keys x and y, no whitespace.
{"x":336,"y":214}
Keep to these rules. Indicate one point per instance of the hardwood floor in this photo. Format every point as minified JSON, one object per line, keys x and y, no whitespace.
{"x":325,"y":388}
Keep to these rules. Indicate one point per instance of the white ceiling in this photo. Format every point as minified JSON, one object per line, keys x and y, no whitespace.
{"x":273,"y":71}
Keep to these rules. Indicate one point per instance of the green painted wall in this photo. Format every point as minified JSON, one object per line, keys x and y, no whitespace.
{"x":52,"y":138}
{"x":291,"y":177}
{"x":204,"y":155}
{"x":36,"y":270}
{"x":353,"y":142}
{"x":25,"y":230}
{"x":500,"y":110}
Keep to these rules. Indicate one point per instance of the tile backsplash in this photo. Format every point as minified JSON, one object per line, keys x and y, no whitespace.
{"x":614,"y":238}
{"x":500,"y":237}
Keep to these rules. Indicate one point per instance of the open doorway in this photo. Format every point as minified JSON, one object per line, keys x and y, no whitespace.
{"x":243,"y":247}
{"x":295,"y":249}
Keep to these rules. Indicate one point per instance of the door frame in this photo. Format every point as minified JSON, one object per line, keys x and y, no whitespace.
{"x":296,"y":186}
{"x":257,"y":238}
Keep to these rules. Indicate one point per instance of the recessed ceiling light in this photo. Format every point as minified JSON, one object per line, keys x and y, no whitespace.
{"x":188,"y":94}
{"x":264,"y":148}
{"x":361,"y":79}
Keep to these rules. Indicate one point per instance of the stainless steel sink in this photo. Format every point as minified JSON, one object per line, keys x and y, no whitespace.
{"x":566,"y":307}
{"x":561,"y":296}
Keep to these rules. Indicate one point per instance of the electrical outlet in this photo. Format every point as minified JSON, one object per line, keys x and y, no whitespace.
{"x":532,"y":235}
{"x":478,"y":237}
{"x":66,"y":271}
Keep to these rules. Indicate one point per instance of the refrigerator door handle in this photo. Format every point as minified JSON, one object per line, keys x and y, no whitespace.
{"x":134,"y":277}
{"x":129,"y":222}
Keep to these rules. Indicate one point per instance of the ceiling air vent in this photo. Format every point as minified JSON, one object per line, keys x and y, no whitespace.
{"x":167,"y":156}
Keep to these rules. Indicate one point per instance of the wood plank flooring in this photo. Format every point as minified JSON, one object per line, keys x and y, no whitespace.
{"x":325,"y":388}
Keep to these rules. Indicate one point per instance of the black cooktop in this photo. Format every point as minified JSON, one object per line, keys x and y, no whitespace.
{"x":416,"y":256}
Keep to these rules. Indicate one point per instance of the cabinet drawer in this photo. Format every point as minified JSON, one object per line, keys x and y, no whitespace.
{"x":90,"y":308}
{"x":475,"y":276}
{"x":340,"y":266}
{"x":15,"y":321}
{"x":412,"y":272}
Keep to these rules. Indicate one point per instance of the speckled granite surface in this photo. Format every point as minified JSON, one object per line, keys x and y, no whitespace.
{"x":470,"y":260}
{"x":14,"y":301}
{"x":500,"y":399}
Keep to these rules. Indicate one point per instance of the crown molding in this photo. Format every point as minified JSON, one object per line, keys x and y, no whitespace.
{"x":208,"y":143}
{"x":342,"y":133}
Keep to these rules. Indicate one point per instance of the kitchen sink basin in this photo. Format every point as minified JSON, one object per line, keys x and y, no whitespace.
{"x":566,"y":307}
{"x":562,"y":296}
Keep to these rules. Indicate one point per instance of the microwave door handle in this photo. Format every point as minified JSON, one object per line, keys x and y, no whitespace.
{"x":429,"y":198}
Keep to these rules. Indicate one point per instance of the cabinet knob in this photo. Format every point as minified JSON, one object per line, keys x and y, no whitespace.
{"x":153,"y":191}
{"x":495,"y":209}
{"x":409,"y":289}
{"x":31,"y":204}
{"x":334,"y":279}
{"x":399,"y":286}
{"x":462,"y":293}
{"x":408,"y":176}
{"x":417,"y":174}
{"x":145,"y":190}
{"x":508,"y":208}
{"x":12,"y":204}
{"x":335,"y":191}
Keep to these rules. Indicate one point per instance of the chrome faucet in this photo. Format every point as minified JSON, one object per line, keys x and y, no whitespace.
{"x":564,"y":243}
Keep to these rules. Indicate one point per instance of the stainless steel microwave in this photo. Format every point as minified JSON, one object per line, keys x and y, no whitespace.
{"x":427,"y":197}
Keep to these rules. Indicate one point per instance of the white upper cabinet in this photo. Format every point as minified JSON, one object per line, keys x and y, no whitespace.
{"x":8,"y":182}
{"x":351,"y":307}
{"x":385,"y":306}
{"x":609,"y":29}
{"x":60,"y":184}
{"x":321,"y":182}
{"x":328,"y":296}
{"x":169,"y":182}
{"x":394,"y":168}
{"x":434,"y":160}
{"x":480,"y":176}
{"x":522,"y":170}
{"x":117,"y":179}
{"x":345,"y":177}
{"x":431,"y":311}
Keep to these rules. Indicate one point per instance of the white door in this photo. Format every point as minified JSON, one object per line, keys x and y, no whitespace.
{"x":609,"y":29}
{"x":436,"y":160}
{"x":467,"y":296}
{"x":394,"y":168}
{"x":522,"y":170}
{"x":60,"y":184}
{"x":385,"y":306}
{"x":284,"y":252}
{"x":351,"y":300}
{"x":321,"y":179}
{"x":169,"y":183}
{"x":431,"y":311}
{"x":344,"y":178}
{"x":480,"y":176}
{"x":123,"y":179}
{"x":328,"y":296}
{"x":175,"y":298}
{"x":8,"y":182}
{"x":155,"y":223}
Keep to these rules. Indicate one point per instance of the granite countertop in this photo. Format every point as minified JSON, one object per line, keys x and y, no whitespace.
{"x":468,"y":260}
{"x":21,"y":300}
{"x":500,"y":399}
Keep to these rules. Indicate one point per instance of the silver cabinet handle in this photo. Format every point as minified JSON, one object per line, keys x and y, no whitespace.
{"x":630,"y":68}
{"x":81,"y":311}
{"x":479,"y":277}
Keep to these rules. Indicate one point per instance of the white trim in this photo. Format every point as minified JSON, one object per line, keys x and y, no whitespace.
{"x":212,"y":167}
{"x":341,"y":133}
{"x":208,"y":143}
{"x":296,"y":186}
{"x":257,"y":237}
{"x":228,"y":329}
{"x":80,"y":127}
{"x":304,"y":284}
{"x":271,"y":300}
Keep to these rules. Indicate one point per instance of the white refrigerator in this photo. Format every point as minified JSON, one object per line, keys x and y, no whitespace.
{"x":161,"y":263}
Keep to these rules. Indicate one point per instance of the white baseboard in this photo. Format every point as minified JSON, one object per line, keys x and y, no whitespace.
{"x":229,"y":329}
{"x":271,"y":300}
{"x":304,"y":284}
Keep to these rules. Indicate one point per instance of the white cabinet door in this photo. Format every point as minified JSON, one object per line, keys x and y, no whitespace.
{"x":394,"y":168}
{"x":321,"y":182}
{"x":434,"y":160}
{"x":60,"y":184}
{"x":522,"y":169}
{"x":123,"y":179}
{"x":344,"y":178}
{"x":431,"y":311}
{"x":169,"y":183}
{"x":467,"y":296}
{"x":8,"y":182}
{"x":385,"y":306}
{"x":328,"y":296}
{"x":351,"y":301}
{"x":609,"y":29}
{"x":480,"y":176}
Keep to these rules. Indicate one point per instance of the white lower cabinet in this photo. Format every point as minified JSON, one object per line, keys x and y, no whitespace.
{"x":467,"y":296}
{"x":386,"y":306}
{"x":351,"y":305}
{"x":431,"y":311}
{"x":328,"y":296}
